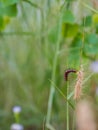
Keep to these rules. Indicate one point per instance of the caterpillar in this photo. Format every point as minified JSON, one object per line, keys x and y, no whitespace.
{"x":67,"y":72}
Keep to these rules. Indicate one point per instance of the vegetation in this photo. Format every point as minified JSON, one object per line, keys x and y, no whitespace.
{"x":39,"y":41}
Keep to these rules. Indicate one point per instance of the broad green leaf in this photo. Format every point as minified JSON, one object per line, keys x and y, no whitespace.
{"x":75,"y":53}
{"x":1,"y":23}
{"x":8,"y":2}
{"x":8,"y":11}
{"x":74,"y":57}
{"x":6,"y":19}
{"x":91,"y":50}
{"x":91,"y":44}
{"x":87,"y":21}
{"x":92,"y":38}
{"x":95,"y":18}
{"x":68,"y":17}
{"x":77,"y":42}
{"x":69,"y":30}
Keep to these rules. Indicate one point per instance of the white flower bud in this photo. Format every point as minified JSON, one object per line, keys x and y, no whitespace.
{"x":16,"y":127}
{"x":17,"y":109}
{"x":94,"y":67}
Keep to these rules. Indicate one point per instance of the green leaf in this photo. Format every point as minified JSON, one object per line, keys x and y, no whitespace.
{"x":69,"y":30}
{"x":8,"y":11}
{"x":74,"y":53}
{"x":95,"y":18}
{"x":74,"y":57}
{"x":87,"y":21}
{"x":91,"y":50}
{"x":68,"y":17}
{"x":8,"y":2}
{"x":92,"y":38}
{"x":77,"y":42}
{"x":91,"y":44}
{"x":1,"y":23}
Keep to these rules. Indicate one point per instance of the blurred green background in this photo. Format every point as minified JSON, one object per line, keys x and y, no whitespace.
{"x":39,"y":40}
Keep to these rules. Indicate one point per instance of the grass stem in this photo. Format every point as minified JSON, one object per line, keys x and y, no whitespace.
{"x":53,"y":78}
{"x":67,"y":108}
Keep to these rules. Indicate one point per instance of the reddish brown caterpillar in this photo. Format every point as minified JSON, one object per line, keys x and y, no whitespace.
{"x":67,"y":72}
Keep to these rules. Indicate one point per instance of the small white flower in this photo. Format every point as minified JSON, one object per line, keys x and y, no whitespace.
{"x":94,"y":67}
{"x":17,"y":109}
{"x":16,"y":127}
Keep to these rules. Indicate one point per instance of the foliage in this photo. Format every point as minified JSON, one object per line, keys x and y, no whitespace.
{"x":38,"y":41}
{"x":8,"y":2}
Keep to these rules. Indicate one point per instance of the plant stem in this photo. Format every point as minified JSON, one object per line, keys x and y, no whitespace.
{"x":73,"y":123}
{"x":67,"y":108}
{"x":48,"y":5}
{"x":17,"y":119}
{"x":42,"y":27}
{"x":53,"y":78}
{"x":89,"y":7}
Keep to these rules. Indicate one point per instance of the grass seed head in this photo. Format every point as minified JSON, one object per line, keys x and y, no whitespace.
{"x":78,"y":85}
